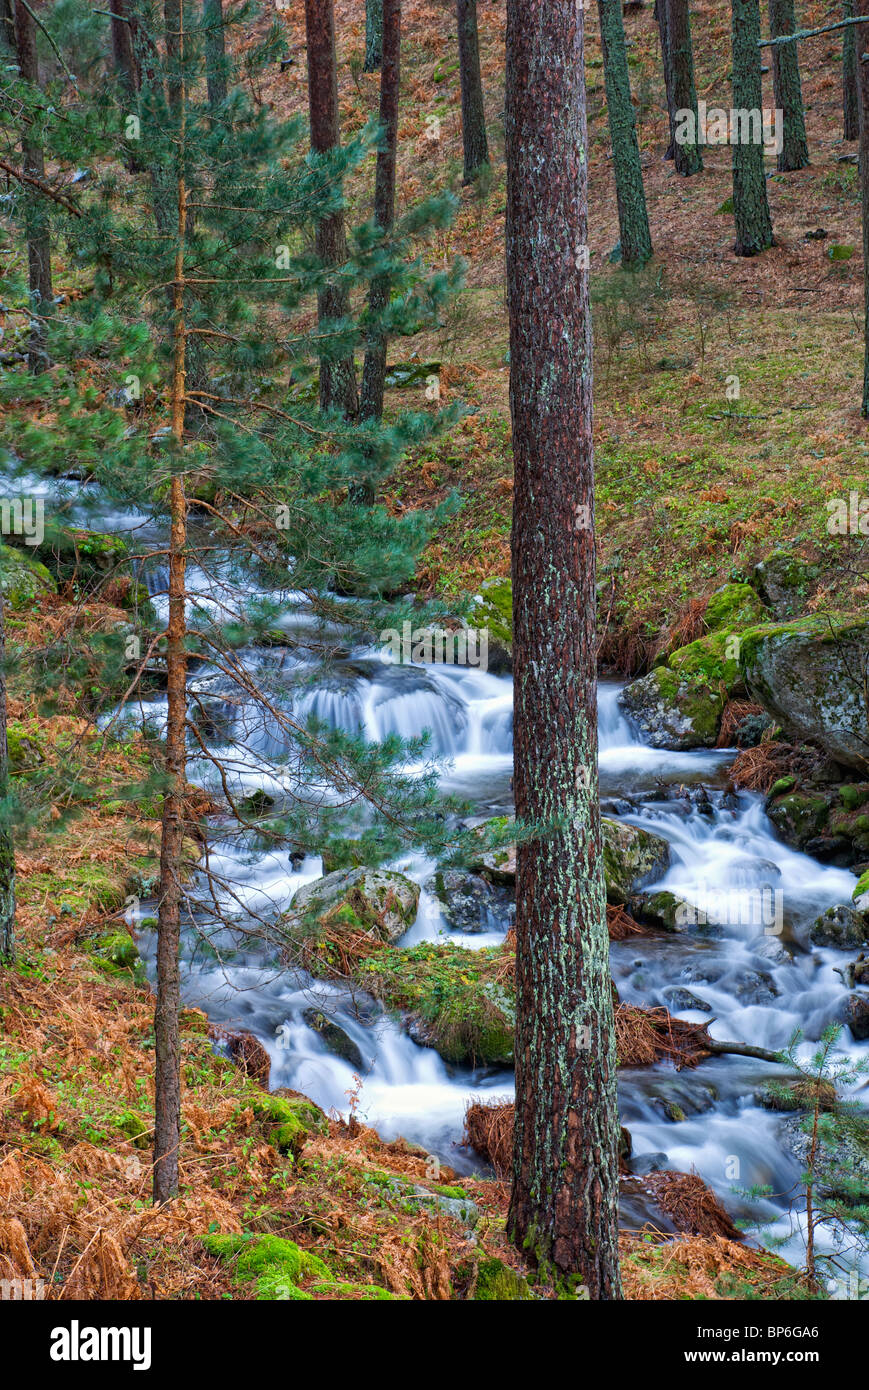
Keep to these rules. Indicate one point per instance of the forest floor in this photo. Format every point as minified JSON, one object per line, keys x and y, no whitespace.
{"x":693,"y":489}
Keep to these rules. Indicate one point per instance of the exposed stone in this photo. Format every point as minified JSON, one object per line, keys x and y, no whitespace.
{"x":841,"y":927}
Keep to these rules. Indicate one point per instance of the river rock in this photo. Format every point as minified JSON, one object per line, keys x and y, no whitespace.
{"x":680,"y":1000}
{"x":379,"y":900}
{"x":632,"y":859}
{"x":662,"y":910}
{"x":841,"y":927}
{"x":470,"y":902}
{"x":334,"y":1038}
{"x":785,"y":583}
{"x":809,"y":675}
{"x":856,"y":1016}
{"x":673,"y":712}
{"x":23,"y":578}
{"x":843,"y":1155}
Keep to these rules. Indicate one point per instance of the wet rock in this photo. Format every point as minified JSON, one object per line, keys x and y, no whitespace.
{"x":470,"y":902}
{"x":679,"y":1000}
{"x":753,"y":987}
{"x":632,"y":858}
{"x":662,"y":910}
{"x":856,"y":1016}
{"x":649,"y":1163}
{"x":809,"y":675}
{"x":673,"y":712}
{"x":334,"y":1038}
{"x":841,"y":927}
{"x":461,"y":1208}
{"x":771,"y":948}
{"x":823,"y":815}
{"x":843,"y":1160}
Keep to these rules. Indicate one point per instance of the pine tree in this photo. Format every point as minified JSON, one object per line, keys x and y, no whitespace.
{"x":563,"y":1208}
{"x":337,"y":374}
{"x":662,"y":17}
{"x":636,"y":240}
{"x":474,"y":140}
{"x":33,"y":167}
{"x":374,"y":371}
{"x":794,"y":153}
{"x":373,"y":35}
{"x":123,"y":47}
{"x":687,"y":156}
{"x":850,"y":85}
{"x":862,"y":40}
{"x":215,"y":51}
{"x":7,"y":848}
{"x":750,"y":204}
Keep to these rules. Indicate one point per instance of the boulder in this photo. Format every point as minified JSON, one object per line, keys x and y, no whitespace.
{"x":856,"y":1016}
{"x":493,"y":610}
{"x":842,"y":1166}
{"x":674,"y":711}
{"x":734,"y":605}
{"x":785,"y":582}
{"x":470,"y":902}
{"x":810,"y":675}
{"x":334,"y":1038}
{"x":632,"y":858}
{"x":377,"y":901}
{"x":841,"y":927}
{"x":23,"y":578}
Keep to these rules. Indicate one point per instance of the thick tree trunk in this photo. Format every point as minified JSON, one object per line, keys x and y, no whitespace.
{"x":862,"y":9}
{"x":215,"y":51}
{"x":7,"y":848}
{"x":374,"y":371}
{"x":122,"y":47}
{"x":794,"y":153}
{"x":337,"y":377}
{"x":7,"y":24}
{"x":678,"y":24}
{"x":750,"y":205}
{"x":636,"y":240}
{"x":37,"y":228}
{"x":850,"y":86}
{"x":373,"y":35}
{"x":563,"y":1209}
{"x":667,"y":65}
{"x":474,"y":141}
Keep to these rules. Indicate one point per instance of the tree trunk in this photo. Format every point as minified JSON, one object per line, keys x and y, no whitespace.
{"x":215,"y":51}
{"x":167,"y":1082}
{"x":850,"y":92}
{"x":374,"y":371}
{"x":35,"y":214}
{"x":373,"y":35}
{"x":563,"y":1209}
{"x":475,"y":144}
{"x":862,"y":9}
{"x":750,"y":205}
{"x":337,"y":377}
{"x":7,"y":848}
{"x":636,"y":240}
{"x":794,"y":153}
{"x":7,"y":24}
{"x":122,"y":48}
{"x":678,"y":24}
{"x":667,"y":65}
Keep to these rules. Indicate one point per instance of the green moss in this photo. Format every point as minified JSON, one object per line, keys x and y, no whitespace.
{"x":452,"y":995}
{"x":117,"y":949}
{"x":23,"y":578}
{"x":363,"y":1293}
{"x":497,"y":1282}
{"x":862,"y":886}
{"x":784,"y":784}
{"x":852,"y":797}
{"x":291,"y":1120}
{"x":279,"y":1266}
{"x":734,"y":605}
{"x":135,"y":1128}
{"x":495,"y":611}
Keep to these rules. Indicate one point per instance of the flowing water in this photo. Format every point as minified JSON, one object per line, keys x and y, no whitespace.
{"x":755,"y":978}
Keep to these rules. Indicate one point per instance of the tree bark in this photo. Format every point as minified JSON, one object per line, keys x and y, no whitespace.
{"x":474,"y":142}
{"x":750,"y":205}
{"x":337,"y":377}
{"x":667,"y":66}
{"x":7,"y":24}
{"x":7,"y":848}
{"x":215,"y":52}
{"x":636,"y":239}
{"x":850,"y":86}
{"x":36,"y":220}
{"x":862,"y":8}
{"x":167,"y":1083}
{"x":122,"y":47}
{"x":687,"y":156}
{"x":794,"y":153}
{"x":563,"y":1208}
{"x":374,"y":370}
{"x":373,"y":35}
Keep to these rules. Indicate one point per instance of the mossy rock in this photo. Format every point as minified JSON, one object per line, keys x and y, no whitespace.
{"x":139,"y":1133}
{"x":734,"y":605}
{"x":785,"y":583}
{"x":334,"y":1038}
{"x":861,"y":892}
{"x":497,"y":1282}
{"x":378,"y":902}
{"x":117,"y":949}
{"x":809,"y":675}
{"x":97,"y":562}
{"x":675,"y":711}
{"x":450,"y":997}
{"x":279,"y":1266}
{"x":712,"y":664}
{"x":632,"y":858}
{"x":23,"y":578}
{"x":290,"y":1120}
{"x":493,"y":610}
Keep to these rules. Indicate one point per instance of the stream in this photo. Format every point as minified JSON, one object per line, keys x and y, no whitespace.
{"x":757,"y":979}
